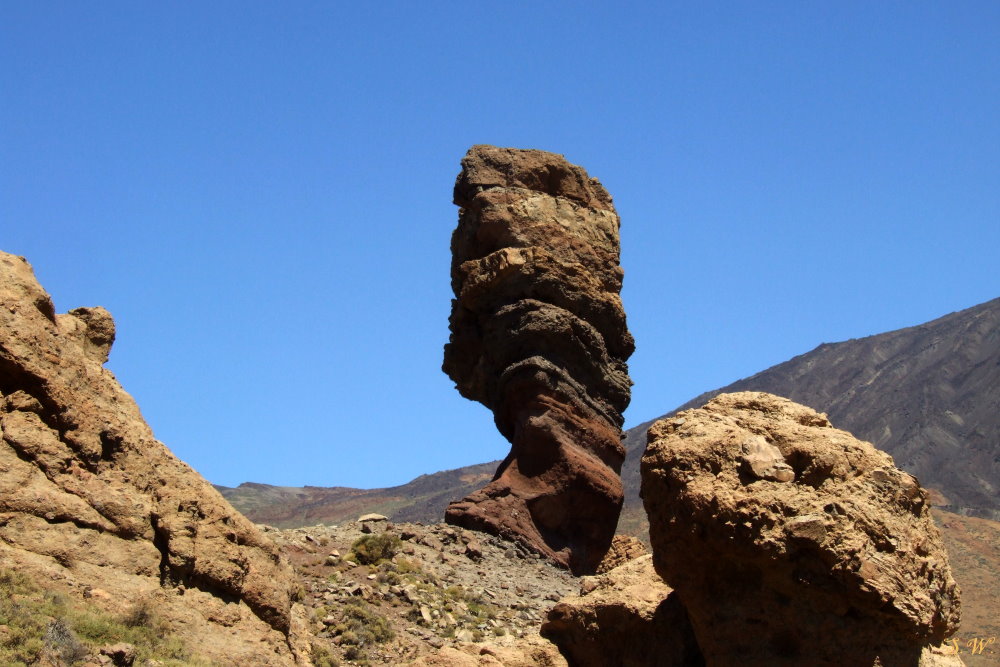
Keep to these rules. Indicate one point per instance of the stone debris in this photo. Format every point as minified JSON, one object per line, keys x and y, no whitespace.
{"x":466,"y":605}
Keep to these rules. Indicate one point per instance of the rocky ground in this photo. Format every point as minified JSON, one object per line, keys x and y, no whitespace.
{"x":439,"y":595}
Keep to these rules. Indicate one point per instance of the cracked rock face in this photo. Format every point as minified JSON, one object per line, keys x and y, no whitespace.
{"x":90,"y":498}
{"x":538,"y":335}
{"x":791,"y":542}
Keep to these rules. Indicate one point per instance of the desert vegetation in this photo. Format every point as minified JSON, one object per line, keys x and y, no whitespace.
{"x":37,"y":623}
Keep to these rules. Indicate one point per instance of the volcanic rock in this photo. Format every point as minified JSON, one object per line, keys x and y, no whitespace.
{"x":538,"y":335}
{"x":791,"y":542}
{"x":628,"y":618}
{"x":623,"y":549}
{"x":91,"y":500}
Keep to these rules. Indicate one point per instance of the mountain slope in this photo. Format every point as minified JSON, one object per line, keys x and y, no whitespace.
{"x":422,"y":499}
{"x":928,"y":395}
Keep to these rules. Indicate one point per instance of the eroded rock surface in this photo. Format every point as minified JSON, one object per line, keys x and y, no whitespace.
{"x":538,"y":335}
{"x":791,"y":542}
{"x":626,"y":617}
{"x":91,"y":500}
{"x":623,"y":549}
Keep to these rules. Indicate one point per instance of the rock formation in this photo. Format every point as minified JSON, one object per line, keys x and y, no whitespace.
{"x":790,"y":542}
{"x":626,"y":617}
{"x":623,"y":549}
{"x":538,"y":335}
{"x":91,"y":500}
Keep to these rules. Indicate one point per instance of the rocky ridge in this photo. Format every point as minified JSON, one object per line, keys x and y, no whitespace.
{"x":538,"y":335}
{"x":91,"y":501}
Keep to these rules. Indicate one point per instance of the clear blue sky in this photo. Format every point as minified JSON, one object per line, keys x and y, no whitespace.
{"x":260,"y":193}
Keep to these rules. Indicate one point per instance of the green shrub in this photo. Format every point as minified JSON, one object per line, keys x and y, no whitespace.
{"x":60,"y":639}
{"x":406,"y":566}
{"x":38,"y":621}
{"x":360,"y":624}
{"x":372,"y":549}
{"x":323,"y":657}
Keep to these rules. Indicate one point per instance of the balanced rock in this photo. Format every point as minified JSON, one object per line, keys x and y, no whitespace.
{"x":90,"y":500}
{"x":538,"y":335}
{"x":627,"y":618}
{"x":790,"y":542}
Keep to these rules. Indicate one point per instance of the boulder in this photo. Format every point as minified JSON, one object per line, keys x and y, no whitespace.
{"x":538,"y":335}
{"x":791,"y":542}
{"x":91,"y":501}
{"x":627,"y":618}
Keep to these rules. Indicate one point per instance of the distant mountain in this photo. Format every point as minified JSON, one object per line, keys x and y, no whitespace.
{"x":929,"y":395}
{"x":422,"y":499}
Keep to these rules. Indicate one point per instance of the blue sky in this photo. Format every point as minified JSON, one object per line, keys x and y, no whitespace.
{"x":261,"y":195}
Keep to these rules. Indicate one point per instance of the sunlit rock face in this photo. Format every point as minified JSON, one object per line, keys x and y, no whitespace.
{"x":89,"y":499}
{"x":538,"y":335}
{"x":791,"y":542}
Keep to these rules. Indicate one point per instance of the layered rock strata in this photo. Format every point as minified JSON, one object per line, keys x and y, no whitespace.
{"x":626,"y":617}
{"x":791,"y":542}
{"x":89,"y":499}
{"x":538,"y":335}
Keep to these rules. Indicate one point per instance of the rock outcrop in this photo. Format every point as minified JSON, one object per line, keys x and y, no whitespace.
{"x":91,"y":500}
{"x":626,"y":617}
{"x":790,"y":542}
{"x":538,"y":335}
{"x":623,"y":549}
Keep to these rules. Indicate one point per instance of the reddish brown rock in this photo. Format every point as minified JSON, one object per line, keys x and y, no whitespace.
{"x":91,"y":501}
{"x":626,"y":618}
{"x":790,"y":542}
{"x":538,"y":335}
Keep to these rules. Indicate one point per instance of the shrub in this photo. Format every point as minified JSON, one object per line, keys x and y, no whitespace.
{"x":40,"y":622}
{"x":362,"y":625}
{"x":372,"y":549}
{"x":323,"y":657}
{"x":406,"y":566}
{"x":390,"y":578}
{"x":61,"y":639}
{"x":142,"y":615}
{"x":354,"y":653}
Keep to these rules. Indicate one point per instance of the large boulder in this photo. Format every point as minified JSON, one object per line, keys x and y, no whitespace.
{"x":538,"y":335}
{"x":626,"y":617}
{"x":791,"y":542}
{"x":91,"y":501}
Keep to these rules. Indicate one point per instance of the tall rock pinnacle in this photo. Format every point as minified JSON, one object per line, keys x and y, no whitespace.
{"x":538,"y":335}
